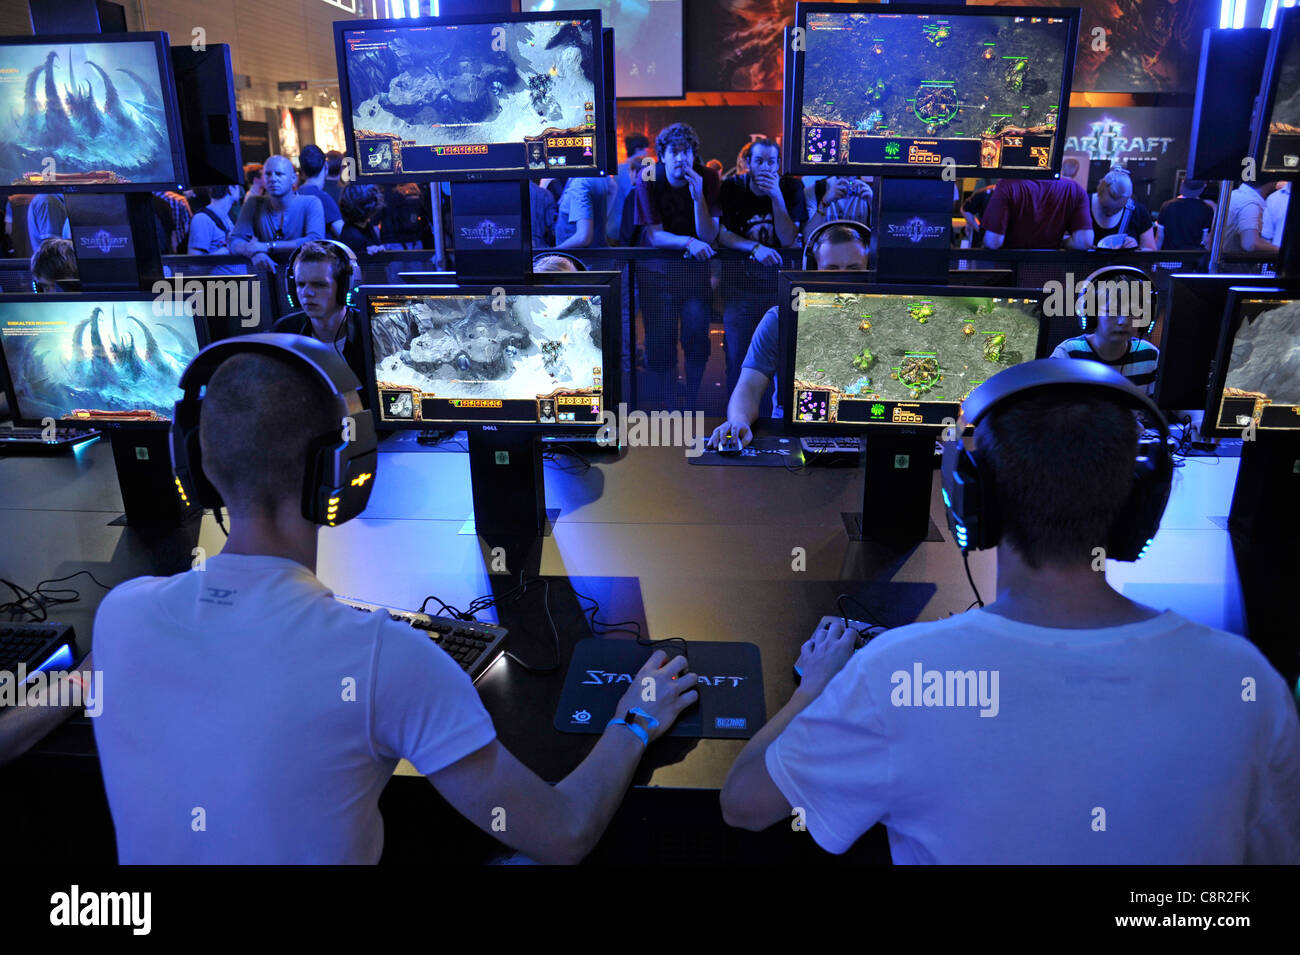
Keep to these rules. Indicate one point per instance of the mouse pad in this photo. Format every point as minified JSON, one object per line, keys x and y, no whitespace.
{"x":765,"y":451}
{"x":730,"y":686}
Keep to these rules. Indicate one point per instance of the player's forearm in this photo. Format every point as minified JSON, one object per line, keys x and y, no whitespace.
{"x":705,"y":227}
{"x":743,"y":403}
{"x":785,"y":227}
{"x":595,"y":790}
{"x":729,"y":240}
{"x":752,"y":757}
{"x":669,"y":240}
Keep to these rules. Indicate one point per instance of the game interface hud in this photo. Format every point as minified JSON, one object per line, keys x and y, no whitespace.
{"x":903,"y":359}
{"x":112,"y":361}
{"x":914,"y":89}
{"x":536,"y":359}
{"x":483,"y":96}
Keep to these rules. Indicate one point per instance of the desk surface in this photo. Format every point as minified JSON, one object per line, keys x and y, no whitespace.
{"x":695,"y":552}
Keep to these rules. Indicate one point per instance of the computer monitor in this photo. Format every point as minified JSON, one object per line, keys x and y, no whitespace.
{"x":100,"y":359}
{"x":501,"y":97}
{"x":1227,"y":82}
{"x":88,"y":113}
{"x":205,"y":92}
{"x":1277,"y":124}
{"x":648,"y":35}
{"x":522,"y":356}
{"x":896,"y":91}
{"x":1189,"y":335}
{"x":859,"y":358}
{"x":1256,"y":375}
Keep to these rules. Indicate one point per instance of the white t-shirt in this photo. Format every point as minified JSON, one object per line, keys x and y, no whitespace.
{"x":1245,"y":212}
{"x":1142,"y":729}
{"x":1275,"y":214}
{"x":249,"y":717}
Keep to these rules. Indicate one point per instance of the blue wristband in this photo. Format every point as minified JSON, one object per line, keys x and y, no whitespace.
{"x":641,"y":734}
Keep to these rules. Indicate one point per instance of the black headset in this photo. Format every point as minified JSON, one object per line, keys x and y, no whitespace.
{"x":345,"y":260}
{"x":1107,"y":273}
{"x":969,"y":494}
{"x":340,"y":466}
{"x":810,"y":247}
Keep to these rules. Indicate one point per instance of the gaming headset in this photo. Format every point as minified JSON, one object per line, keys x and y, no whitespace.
{"x":1108,"y":273}
{"x":968,"y":488}
{"x":345,"y":259}
{"x":810,"y":247}
{"x":341,"y":463}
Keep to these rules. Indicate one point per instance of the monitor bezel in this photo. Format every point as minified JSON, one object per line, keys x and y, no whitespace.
{"x":1219,"y":370}
{"x":144,"y":298}
{"x":198,"y":128}
{"x":1286,"y":30}
{"x":785,"y":364}
{"x":171,"y":110}
{"x":794,"y":90}
{"x":606,"y":284}
{"x":474,"y":175}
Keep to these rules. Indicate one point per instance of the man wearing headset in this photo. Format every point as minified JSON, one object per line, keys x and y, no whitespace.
{"x":1113,"y":301}
{"x":253,"y":718}
{"x":322,"y":277}
{"x":839,"y":247}
{"x":1062,"y":723}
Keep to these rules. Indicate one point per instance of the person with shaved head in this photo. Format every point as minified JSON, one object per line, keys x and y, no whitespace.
{"x":271,"y":226}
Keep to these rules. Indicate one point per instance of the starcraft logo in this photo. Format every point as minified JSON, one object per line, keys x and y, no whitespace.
{"x":103,"y":242}
{"x":487,"y":232}
{"x":915,"y":229}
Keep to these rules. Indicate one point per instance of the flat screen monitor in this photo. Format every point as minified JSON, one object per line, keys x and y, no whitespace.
{"x":88,"y":113}
{"x":1256,"y":375}
{"x":499,"y":97}
{"x":1227,"y":82}
{"x":647,"y":37}
{"x":205,"y":92}
{"x":858,"y":357}
{"x":896,"y":91}
{"x":1192,"y":316}
{"x":470,"y":356}
{"x":100,"y":359}
{"x":1277,"y":126}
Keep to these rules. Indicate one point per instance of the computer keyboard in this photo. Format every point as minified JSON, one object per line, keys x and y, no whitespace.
{"x":475,"y":646}
{"x":34,"y":440}
{"x":830,"y":450}
{"x":34,"y":645}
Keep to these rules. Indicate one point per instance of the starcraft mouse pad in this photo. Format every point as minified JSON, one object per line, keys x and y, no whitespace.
{"x":731,"y":704}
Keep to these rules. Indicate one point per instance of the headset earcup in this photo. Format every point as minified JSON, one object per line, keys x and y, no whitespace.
{"x":968,"y":498}
{"x":1139,"y":517}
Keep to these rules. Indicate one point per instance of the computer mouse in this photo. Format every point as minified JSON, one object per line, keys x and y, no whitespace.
{"x":730,"y":446}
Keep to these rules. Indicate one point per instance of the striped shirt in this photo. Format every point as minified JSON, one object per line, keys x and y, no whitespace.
{"x":1138,"y":364}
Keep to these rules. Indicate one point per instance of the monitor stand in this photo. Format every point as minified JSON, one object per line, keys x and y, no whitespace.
{"x":912,"y":244}
{"x":151,"y":500}
{"x":508,"y":485}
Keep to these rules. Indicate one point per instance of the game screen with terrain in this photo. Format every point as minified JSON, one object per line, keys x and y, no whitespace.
{"x":1282,"y":147}
{"x":83,"y":113}
{"x":910,"y":90}
{"x":473,"y":97}
{"x":530,"y":359}
{"x":97,"y":362}
{"x":903,"y":359}
{"x":1262,"y":384}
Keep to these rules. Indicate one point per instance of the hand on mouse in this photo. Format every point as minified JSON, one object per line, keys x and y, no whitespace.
{"x":739,"y":428}
{"x":823,"y":655}
{"x":671,"y":689}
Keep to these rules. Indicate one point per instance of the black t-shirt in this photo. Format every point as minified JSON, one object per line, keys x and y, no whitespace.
{"x":357,"y":239}
{"x":750,"y":216}
{"x":297,"y":323}
{"x":1139,"y":220}
{"x":660,"y":203}
{"x":1183,"y":220}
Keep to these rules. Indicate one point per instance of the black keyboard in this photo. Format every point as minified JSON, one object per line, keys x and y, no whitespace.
{"x":475,"y":646}
{"x":33,"y":644}
{"x":34,"y":441}
{"x":830,"y":450}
